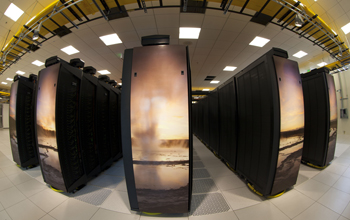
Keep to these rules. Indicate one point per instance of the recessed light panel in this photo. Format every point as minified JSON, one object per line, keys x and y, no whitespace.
{"x":230,"y":68}
{"x":300,"y":54}
{"x":321,"y":64}
{"x":111,"y":39}
{"x":38,"y":63}
{"x":189,"y":33}
{"x":214,"y":82}
{"x":13,"y":12}
{"x":4,"y":83}
{"x":70,"y":50}
{"x":205,"y":89}
{"x":346,"y":28}
{"x":9,"y":79}
{"x":259,"y":42}
{"x":104,"y":72}
{"x":20,"y":72}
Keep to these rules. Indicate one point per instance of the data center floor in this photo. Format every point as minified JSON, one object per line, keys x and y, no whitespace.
{"x":217,"y":192}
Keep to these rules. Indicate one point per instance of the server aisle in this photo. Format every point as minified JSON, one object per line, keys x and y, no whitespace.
{"x":217,"y":192}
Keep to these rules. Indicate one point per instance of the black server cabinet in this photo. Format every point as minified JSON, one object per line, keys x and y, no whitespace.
{"x":103,"y":123}
{"x":213,"y":119}
{"x":228,"y":122}
{"x":57,"y":125}
{"x":115,"y":126}
{"x":21,"y":120}
{"x":88,"y":121}
{"x":205,"y":121}
{"x":156,"y":128}
{"x":270,"y":122}
{"x":320,"y":117}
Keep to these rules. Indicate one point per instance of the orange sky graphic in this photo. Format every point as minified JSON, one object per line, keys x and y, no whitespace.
{"x":291,"y":94}
{"x":159,"y":104}
{"x":46,"y":100}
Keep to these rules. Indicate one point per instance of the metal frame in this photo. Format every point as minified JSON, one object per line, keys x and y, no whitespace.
{"x":313,"y":28}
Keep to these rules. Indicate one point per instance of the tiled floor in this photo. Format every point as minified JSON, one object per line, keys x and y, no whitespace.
{"x":317,"y":195}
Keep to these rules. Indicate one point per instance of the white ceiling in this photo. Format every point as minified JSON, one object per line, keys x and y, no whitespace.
{"x":223,"y":40}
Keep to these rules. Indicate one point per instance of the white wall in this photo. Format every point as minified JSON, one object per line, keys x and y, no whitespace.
{"x":343,"y":124}
{"x":5,"y":115}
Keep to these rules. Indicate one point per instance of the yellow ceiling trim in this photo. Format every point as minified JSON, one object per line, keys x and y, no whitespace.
{"x":4,"y":93}
{"x":88,"y":7}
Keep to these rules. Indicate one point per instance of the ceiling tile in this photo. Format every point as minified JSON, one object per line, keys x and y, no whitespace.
{"x":169,"y":20}
{"x":213,"y":22}
{"x":166,"y":11}
{"x":144,"y":22}
{"x":129,"y":36}
{"x":147,"y":32}
{"x":336,"y":11}
{"x":122,"y":25}
{"x":102,"y":29}
{"x":209,"y":34}
{"x":234,"y":25}
{"x":191,"y":20}
{"x":173,"y":32}
{"x":133,"y":44}
{"x":205,"y":43}
{"x":140,"y":13}
{"x":218,"y":13}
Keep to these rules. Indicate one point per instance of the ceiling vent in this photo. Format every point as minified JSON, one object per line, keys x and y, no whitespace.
{"x":115,"y":13}
{"x":209,"y":78}
{"x":261,"y":18}
{"x":62,"y":31}
{"x":194,"y":7}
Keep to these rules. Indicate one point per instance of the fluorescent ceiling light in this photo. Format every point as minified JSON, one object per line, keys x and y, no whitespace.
{"x":38,"y":63}
{"x":259,"y":42}
{"x":189,"y":33}
{"x":104,"y":72}
{"x":4,"y":83}
{"x":111,"y":39}
{"x":205,"y":89}
{"x":322,"y":64}
{"x":20,"y":72}
{"x":70,"y":50}
{"x":230,"y":68}
{"x":9,"y":79}
{"x":300,"y":54}
{"x":214,"y":82}
{"x":346,"y":28}
{"x":13,"y":12}
{"x":119,"y":83}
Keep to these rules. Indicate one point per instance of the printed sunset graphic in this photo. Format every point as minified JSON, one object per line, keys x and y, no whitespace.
{"x":292,"y":123}
{"x":46,"y":127}
{"x":159,"y":128}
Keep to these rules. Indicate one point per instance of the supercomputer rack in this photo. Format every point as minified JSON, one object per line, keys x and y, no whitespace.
{"x":270,"y":122}
{"x":320,"y":117}
{"x":88,"y":121}
{"x":103,"y":128}
{"x":21,"y":119}
{"x":156,"y":126}
{"x":57,"y":125}
{"x":114,"y":119}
